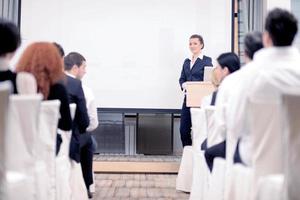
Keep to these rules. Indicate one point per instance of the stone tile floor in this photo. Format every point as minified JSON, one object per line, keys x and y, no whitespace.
{"x":137,"y":187}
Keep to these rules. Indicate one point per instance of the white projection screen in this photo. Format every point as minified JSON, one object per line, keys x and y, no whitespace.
{"x":134,"y":48}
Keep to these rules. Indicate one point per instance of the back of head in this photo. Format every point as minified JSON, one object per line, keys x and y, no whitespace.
{"x":10,"y":38}
{"x":72,"y":59}
{"x":44,"y":62}
{"x":252,"y":43}
{"x":59,"y":49}
{"x":281,"y":26}
{"x":229,"y":60}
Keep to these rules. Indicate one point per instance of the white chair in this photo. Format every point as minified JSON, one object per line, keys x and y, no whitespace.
{"x":202,"y":120}
{"x":69,"y":179}
{"x":185,"y":176}
{"x":216,"y":179}
{"x":240,"y":185}
{"x":209,"y":113}
{"x":78,"y":188}
{"x":198,"y":136}
{"x":266,"y":138}
{"x":48,"y":121}
{"x":270,"y":187}
{"x":26,"y":83}
{"x":291,"y":116}
{"x":185,"y":173}
{"x":199,"y":132}
{"x":63,"y":167}
{"x":20,"y":146}
{"x":285,"y":185}
{"x":264,"y":155}
{"x":231,"y":144}
{"x":63,"y":163}
{"x":5,"y":89}
{"x":216,"y":182}
{"x":200,"y":177}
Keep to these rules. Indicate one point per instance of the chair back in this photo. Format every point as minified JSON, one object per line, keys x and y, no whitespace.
{"x":48,"y":122}
{"x":266,"y":145}
{"x":199,"y":132}
{"x":20,"y":147}
{"x":291,"y":128}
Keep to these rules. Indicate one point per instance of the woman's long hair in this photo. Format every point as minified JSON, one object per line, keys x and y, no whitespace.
{"x":43,"y":61}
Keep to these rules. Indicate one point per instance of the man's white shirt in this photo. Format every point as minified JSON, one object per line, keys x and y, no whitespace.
{"x":91,"y":108}
{"x":221,"y":119}
{"x":273,"y":71}
{"x":90,"y":105}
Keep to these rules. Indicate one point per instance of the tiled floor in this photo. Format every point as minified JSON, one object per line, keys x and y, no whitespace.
{"x":137,"y":187}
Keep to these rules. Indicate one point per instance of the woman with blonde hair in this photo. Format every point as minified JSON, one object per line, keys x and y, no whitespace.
{"x":210,"y":99}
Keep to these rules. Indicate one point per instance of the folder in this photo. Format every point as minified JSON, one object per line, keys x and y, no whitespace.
{"x":208,"y":70}
{"x":195,"y":91}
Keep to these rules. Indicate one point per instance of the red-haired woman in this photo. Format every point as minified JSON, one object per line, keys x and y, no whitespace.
{"x":42,"y":60}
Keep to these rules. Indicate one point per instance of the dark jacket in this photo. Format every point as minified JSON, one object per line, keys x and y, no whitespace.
{"x":9,"y":76}
{"x":196,"y":72}
{"x":81,"y":120}
{"x":59,"y":92}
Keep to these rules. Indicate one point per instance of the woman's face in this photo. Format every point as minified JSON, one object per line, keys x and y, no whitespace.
{"x":195,"y":46}
{"x":220,"y":72}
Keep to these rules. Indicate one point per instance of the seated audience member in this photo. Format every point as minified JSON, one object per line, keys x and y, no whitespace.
{"x":76,"y":95}
{"x":60,"y":50}
{"x":76,"y":65}
{"x":227,"y":63}
{"x":43,"y":61}
{"x":275,"y":69}
{"x":252,"y":43}
{"x":224,"y":119}
{"x":10,"y":40}
{"x":211,"y":99}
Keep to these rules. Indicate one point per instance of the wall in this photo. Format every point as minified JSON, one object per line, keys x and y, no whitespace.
{"x":295,"y":7}
{"x":134,"y":49}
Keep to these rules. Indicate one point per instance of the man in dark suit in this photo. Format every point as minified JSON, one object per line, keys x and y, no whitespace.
{"x":81,"y":120}
{"x":75,"y":69}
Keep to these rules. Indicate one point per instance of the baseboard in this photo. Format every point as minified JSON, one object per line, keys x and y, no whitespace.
{"x":136,"y":167}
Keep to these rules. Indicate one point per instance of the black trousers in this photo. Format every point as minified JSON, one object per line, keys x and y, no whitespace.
{"x":218,"y":150}
{"x":185,"y":125}
{"x":86,"y":158}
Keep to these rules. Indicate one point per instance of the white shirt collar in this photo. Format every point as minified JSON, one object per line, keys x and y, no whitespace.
{"x":201,"y":55}
{"x":68,"y":74}
{"x":275,"y":53}
{"x":4,"y":64}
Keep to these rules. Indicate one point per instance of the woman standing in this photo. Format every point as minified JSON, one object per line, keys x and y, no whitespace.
{"x":192,"y":70}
